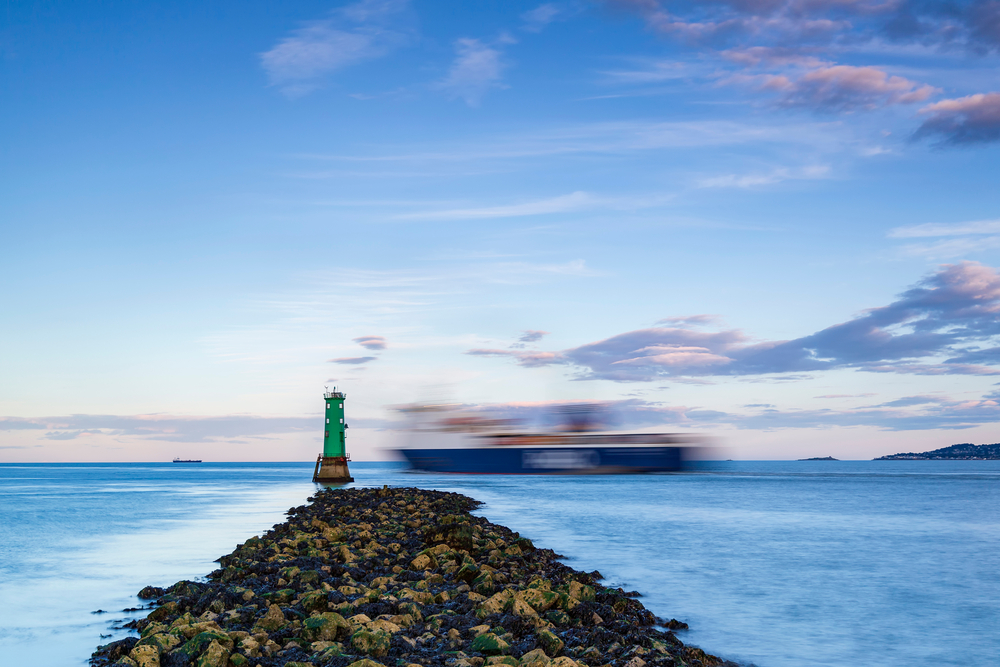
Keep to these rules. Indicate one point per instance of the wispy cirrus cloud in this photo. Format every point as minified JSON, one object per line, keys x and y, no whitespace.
{"x":947,"y":324}
{"x":561,"y":204}
{"x":536,"y":19}
{"x":772,"y":177}
{"x":173,"y":428}
{"x":974,"y":227}
{"x":357,"y":32}
{"x":613,"y":138}
{"x":955,"y":239}
{"x":477,"y":69}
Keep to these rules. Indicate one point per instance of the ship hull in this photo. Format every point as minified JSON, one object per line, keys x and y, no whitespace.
{"x":547,"y":460}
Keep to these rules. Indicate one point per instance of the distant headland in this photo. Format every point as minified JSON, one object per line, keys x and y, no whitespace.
{"x":820,"y":458}
{"x":964,"y":452}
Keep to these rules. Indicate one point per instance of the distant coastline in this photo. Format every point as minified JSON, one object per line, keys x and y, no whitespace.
{"x":820,"y":458}
{"x":962,"y":452}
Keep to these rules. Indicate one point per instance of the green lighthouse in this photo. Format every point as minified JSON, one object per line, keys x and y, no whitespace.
{"x":331,"y":465}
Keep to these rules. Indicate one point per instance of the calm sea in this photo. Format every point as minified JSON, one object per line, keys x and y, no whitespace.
{"x":778,"y":564}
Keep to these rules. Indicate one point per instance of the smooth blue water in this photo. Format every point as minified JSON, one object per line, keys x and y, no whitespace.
{"x":781,"y":564}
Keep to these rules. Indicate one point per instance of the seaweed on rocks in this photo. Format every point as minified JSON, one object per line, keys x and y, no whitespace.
{"x":397,"y":577}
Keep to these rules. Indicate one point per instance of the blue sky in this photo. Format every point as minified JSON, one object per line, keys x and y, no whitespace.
{"x":774,"y":222}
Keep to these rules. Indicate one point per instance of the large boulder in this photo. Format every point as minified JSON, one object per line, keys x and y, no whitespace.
{"x":325,"y":627}
{"x":214,"y":655}
{"x":150,"y":593}
{"x":163,"y":641}
{"x":145,"y":656}
{"x":489,"y":644}
{"x":366,"y":663}
{"x":581,"y":592}
{"x":371,"y":643}
{"x":272,"y":620}
{"x":314,"y":601}
{"x":550,"y":642}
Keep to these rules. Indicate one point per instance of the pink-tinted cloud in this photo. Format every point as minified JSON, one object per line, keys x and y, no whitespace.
{"x":973,"y":25}
{"x":371,"y":342}
{"x":843,"y":88}
{"x":937,"y":327}
{"x":532,"y":336}
{"x":906,"y":414}
{"x":351,"y":360}
{"x":772,"y":56}
{"x":964,"y":121}
{"x":527,"y":359}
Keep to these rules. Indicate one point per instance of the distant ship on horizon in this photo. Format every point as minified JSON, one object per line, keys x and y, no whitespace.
{"x":176,"y":460}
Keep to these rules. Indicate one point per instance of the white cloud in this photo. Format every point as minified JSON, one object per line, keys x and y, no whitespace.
{"x":765,"y":178}
{"x":477,"y":69}
{"x":649,"y":72}
{"x":355,"y":33}
{"x":946,"y":229}
{"x":562,"y":204}
{"x":539,"y":17}
{"x":956,"y":239}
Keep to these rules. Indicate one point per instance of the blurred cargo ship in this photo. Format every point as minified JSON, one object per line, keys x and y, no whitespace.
{"x":443,"y":439}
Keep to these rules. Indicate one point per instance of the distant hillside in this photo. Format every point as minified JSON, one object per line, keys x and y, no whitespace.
{"x":963,"y":452}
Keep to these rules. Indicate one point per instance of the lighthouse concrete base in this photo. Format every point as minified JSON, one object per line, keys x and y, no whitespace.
{"x":332,"y":470}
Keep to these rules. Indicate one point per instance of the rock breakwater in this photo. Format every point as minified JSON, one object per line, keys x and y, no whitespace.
{"x":397,"y":577}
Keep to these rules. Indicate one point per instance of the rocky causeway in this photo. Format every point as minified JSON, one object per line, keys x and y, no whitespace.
{"x":397,"y":577}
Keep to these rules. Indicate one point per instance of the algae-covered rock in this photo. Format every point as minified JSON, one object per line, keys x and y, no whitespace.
{"x":272,"y":620}
{"x":497,"y":603}
{"x":327,"y":627}
{"x":145,"y":656}
{"x":164,"y":611}
{"x":164,"y":642}
{"x":150,"y":593}
{"x":382,"y":625}
{"x":535,"y":657}
{"x":215,"y":655}
{"x":521,"y":608}
{"x":502,"y":660}
{"x":581,"y":592}
{"x":314,"y":601}
{"x":126,"y":661}
{"x":541,"y":600}
{"x":371,"y":643}
{"x":366,"y":663}
{"x":423,"y":561}
{"x":489,"y":644}
{"x":484,"y":583}
{"x":558,"y":617}
{"x":467,"y":573}
{"x":357,"y":571}
{"x":550,"y":642}
{"x":563,"y":661}
{"x":198,"y":644}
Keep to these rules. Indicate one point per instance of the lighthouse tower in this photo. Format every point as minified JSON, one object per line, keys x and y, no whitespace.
{"x":331,"y":465}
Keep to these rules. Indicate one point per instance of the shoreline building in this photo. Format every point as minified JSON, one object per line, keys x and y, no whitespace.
{"x":331,"y":465}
